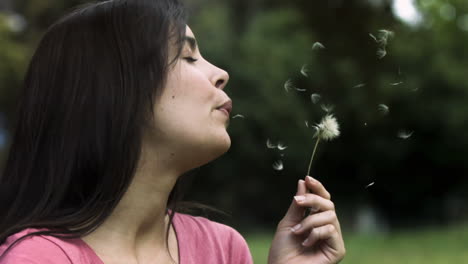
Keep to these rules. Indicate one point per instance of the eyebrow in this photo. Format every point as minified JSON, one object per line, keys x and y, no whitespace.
{"x":191,"y":41}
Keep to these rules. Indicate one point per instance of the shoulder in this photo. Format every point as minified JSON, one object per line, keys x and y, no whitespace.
{"x":214,"y":237}
{"x":39,"y":249}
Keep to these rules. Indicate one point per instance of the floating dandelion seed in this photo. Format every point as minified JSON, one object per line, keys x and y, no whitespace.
{"x":396,"y":83}
{"x":327,"y":129}
{"x":383,"y":109}
{"x":270,"y":145}
{"x":382,"y":39}
{"x":327,"y":108}
{"x":278,"y":165}
{"x":288,"y":85}
{"x":385,"y":34}
{"x":281,"y":146}
{"x":365,"y":124}
{"x":415,"y":89}
{"x":315,"y":97}
{"x":381,"y":53}
{"x":304,"y":70}
{"x":238,"y":116}
{"x":317,"y":45}
{"x":359,"y":85}
{"x":306,"y":123}
{"x":403,"y":134}
{"x":301,"y":90}
{"x":369,"y":185}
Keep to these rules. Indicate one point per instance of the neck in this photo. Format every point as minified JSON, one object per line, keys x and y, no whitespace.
{"x":139,"y":221}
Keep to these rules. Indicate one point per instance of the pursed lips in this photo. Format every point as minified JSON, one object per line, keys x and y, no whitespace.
{"x":226,"y":107}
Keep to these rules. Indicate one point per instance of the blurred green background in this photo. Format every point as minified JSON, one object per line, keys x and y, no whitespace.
{"x":396,"y":74}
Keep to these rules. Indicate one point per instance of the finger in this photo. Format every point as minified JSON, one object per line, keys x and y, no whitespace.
{"x":295,"y":212}
{"x":316,"y":220}
{"x":327,"y":233}
{"x":315,"y":202}
{"x":316,"y":187}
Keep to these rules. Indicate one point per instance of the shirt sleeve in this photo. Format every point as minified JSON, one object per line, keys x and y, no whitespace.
{"x":35,"y":250}
{"x":240,"y":252}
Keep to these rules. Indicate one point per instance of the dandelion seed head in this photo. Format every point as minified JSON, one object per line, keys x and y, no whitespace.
{"x":317,"y":45}
{"x":304,"y":70}
{"x":278,"y":165}
{"x":238,"y":116}
{"x":315,"y":97}
{"x":404,"y":134}
{"x":383,"y":109}
{"x":328,"y":128}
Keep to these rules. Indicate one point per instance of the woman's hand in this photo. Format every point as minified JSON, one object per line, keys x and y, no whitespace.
{"x":315,"y":239}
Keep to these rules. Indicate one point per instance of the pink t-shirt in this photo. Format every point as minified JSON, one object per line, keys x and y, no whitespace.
{"x":200,"y":241}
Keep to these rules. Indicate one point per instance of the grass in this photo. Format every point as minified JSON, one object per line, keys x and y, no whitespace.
{"x":442,"y":246}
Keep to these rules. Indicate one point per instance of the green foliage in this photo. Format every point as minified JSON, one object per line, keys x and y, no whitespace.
{"x":430,"y":246}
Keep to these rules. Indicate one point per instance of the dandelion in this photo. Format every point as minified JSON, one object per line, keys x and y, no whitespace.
{"x":359,"y":85}
{"x":327,"y":108}
{"x":317,"y":45}
{"x":304,"y":70}
{"x":327,"y":130}
{"x":269,"y":144}
{"x":369,"y":185}
{"x":278,"y":165}
{"x":404,"y":134}
{"x":315,"y":97}
{"x":238,"y":116}
{"x":281,"y":146}
{"x":383,"y":109}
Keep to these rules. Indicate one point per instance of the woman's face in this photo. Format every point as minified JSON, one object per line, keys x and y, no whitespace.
{"x":187,"y":119}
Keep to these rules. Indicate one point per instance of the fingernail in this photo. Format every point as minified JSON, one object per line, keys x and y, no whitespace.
{"x":296,"y":227}
{"x":305,"y":242}
{"x":314,"y":209}
{"x":299,"y":198}
{"x":311,"y":180}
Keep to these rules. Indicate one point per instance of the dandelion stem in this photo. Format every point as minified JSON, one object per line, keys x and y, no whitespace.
{"x":313,"y":154}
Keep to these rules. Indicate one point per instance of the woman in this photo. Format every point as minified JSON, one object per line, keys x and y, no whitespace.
{"x":117,"y":104}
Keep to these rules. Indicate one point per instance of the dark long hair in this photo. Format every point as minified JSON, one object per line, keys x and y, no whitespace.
{"x":88,"y":94}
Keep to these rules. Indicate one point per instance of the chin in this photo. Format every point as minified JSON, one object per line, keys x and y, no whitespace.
{"x":214,"y":149}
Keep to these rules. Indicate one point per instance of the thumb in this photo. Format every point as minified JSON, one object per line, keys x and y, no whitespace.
{"x":295,"y":213}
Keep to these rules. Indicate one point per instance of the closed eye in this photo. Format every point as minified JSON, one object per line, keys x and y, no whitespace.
{"x":190,"y":59}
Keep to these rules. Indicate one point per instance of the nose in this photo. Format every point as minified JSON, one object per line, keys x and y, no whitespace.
{"x":220,"y":78}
